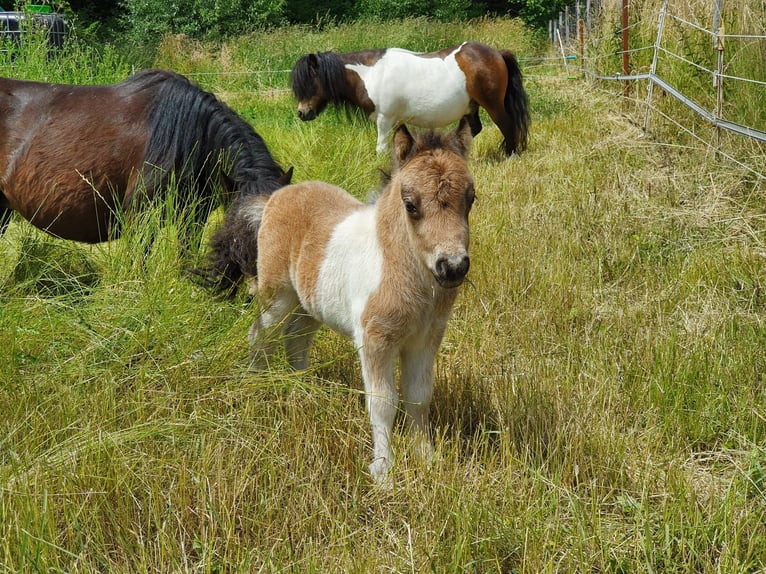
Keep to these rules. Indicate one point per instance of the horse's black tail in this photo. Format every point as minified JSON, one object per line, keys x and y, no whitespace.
{"x":233,"y":248}
{"x":516,"y":105}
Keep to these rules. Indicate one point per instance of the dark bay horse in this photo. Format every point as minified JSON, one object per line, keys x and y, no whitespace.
{"x":394,"y":86}
{"x":74,"y":158}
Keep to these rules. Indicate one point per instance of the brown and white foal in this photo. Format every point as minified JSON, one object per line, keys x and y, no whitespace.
{"x":385,"y":274}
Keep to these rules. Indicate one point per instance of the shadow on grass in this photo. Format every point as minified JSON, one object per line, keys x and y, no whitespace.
{"x":47,"y":268}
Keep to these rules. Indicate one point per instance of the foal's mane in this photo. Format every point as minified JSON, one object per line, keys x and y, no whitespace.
{"x":423,"y":141}
{"x":192,"y":132}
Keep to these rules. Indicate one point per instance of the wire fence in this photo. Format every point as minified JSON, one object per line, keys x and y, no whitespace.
{"x":708,"y":55}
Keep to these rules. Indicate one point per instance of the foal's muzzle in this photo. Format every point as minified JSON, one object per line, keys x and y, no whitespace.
{"x":450,"y":270}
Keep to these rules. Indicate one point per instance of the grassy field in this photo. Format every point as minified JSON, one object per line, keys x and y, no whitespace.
{"x":599,"y":404}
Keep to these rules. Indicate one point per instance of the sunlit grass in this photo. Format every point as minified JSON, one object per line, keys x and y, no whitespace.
{"x":598,"y":402}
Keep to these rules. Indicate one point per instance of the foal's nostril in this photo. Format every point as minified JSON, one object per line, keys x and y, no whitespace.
{"x":451,"y":270}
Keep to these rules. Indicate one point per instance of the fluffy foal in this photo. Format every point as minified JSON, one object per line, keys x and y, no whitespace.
{"x":385,"y":274}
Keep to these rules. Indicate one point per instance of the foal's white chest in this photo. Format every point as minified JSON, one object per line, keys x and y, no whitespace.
{"x":350,"y":272}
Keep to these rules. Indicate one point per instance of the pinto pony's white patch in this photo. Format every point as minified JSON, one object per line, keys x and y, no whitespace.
{"x":401,"y":85}
{"x":385,"y":275}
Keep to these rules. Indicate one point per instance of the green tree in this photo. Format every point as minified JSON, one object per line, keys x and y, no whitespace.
{"x":148,"y":20}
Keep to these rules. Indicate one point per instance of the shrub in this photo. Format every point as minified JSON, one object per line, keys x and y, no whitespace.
{"x":148,"y":20}
{"x":445,"y":10}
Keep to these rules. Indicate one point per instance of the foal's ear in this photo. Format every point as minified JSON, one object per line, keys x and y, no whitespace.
{"x":460,"y":139}
{"x":404,"y":144}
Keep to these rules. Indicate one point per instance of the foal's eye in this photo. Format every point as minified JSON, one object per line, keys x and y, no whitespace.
{"x":411,"y":208}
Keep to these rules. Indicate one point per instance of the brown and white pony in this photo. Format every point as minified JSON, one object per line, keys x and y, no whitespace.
{"x":394,"y":86}
{"x":384,"y":274}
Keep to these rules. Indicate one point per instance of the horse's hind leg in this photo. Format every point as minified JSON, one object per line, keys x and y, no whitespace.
{"x":299,"y":333}
{"x":504,"y":121}
{"x":265,"y":331}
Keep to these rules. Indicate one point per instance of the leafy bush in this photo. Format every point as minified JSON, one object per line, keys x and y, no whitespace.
{"x":318,"y":11}
{"x":147,"y":21}
{"x":445,"y":10}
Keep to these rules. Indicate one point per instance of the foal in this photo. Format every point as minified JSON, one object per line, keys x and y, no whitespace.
{"x":384,"y":274}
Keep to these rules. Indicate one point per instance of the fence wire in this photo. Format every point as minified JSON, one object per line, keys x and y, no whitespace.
{"x":610,"y":49}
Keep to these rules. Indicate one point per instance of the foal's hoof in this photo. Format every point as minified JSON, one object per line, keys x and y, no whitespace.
{"x":258,"y":362}
{"x":380,"y":471}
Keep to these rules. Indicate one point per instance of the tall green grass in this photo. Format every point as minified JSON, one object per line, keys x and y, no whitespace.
{"x":78,"y":63}
{"x":599,"y":403}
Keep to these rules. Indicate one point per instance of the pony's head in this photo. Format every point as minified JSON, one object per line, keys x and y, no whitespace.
{"x":435,"y":195}
{"x":317,"y":80}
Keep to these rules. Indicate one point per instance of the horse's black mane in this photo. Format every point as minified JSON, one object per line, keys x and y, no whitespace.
{"x":192,"y":132}
{"x":329,"y":68}
{"x":331,"y":71}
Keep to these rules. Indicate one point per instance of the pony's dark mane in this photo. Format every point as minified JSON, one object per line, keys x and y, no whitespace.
{"x":330,"y":69}
{"x":331,"y":72}
{"x":192,"y":132}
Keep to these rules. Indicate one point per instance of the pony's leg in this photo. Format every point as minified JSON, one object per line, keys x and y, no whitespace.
{"x":417,"y":389}
{"x":382,"y":400}
{"x":193,"y":228}
{"x":299,"y":333}
{"x":265,"y":331}
{"x":503,"y":121}
{"x":385,"y":125}
{"x":474,"y":120}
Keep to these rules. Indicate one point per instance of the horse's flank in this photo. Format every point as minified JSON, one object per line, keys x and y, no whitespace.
{"x":73,"y":158}
{"x":37,"y":176}
{"x":431,"y":91}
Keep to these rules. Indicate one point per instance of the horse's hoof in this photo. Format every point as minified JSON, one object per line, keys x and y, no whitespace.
{"x":258,"y":362}
{"x":380,"y":471}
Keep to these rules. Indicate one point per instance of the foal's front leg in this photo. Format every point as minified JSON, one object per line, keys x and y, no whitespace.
{"x":417,"y":389}
{"x":382,"y":400}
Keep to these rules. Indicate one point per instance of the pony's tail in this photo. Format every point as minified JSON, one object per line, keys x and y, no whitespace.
{"x":516,"y":105}
{"x":233,"y":247}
